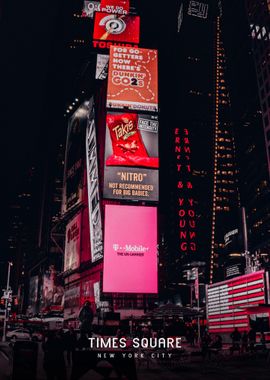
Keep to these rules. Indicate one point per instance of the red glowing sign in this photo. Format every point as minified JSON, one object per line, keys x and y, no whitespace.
{"x":113,"y":27}
{"x":186,"y":212}
{"x":130,"y":252}
{"x":227,"y":300}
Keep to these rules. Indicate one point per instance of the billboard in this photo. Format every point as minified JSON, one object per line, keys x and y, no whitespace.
{"x":115,"y":6}
{"x":89,"y":8}
{"x":133,"y":79}
{"x":95,"y":222}
{"x":73,"y":243}
{"x":130,"y":251}
{"x":74,"y":158}
{"x":131,"y":157}
{"x":108,"y":6}
{"x":118,"y":28}
{"x":52,"y":292}
{"x":226,"y":301}
{"x":197,"y":9}
{"x":72,"y":301}
{"x":33,"y":294}
{"x":102,"y":66}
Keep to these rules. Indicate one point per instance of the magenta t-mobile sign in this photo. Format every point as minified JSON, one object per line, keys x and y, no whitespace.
{"x":130,"y":251}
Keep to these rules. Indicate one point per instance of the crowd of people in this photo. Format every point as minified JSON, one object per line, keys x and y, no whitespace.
{"x":242,"y":343}
{"x":59,"y":347}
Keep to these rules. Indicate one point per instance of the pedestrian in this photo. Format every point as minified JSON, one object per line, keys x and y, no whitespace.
{"x":70,"y":339}
{"x":216,"y":346}
{"x":54,"y":362}
{"x":192,"y":336}
{"x":236,"y":339}
{"x":205,"y":343}
{"x":252,"y":339}
{"x":263,"y":341}
{"x":86,"y":317}
{"x":244,"y":342}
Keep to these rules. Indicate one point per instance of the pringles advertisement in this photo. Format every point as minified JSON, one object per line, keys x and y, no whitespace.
{"x":133,"y":79}
{"x":131,"y":157}
{"x":130,"y":254}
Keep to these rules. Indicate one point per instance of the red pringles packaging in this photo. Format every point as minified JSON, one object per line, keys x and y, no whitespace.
{"x":127,"y":143}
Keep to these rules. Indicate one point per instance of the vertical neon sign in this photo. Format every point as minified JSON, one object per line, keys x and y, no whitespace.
{"x":185,"y":200}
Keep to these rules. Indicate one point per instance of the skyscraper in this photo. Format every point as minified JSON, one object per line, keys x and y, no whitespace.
{"x":203,"y":108}
{"x":259,"y":20}
{"x":249,"y":114}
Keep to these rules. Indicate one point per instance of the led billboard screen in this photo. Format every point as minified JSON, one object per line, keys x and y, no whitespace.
{"x":226,"y":301}
{"x":89,"y":8}
{"x":130,"y":253}
{"x":115,"y":6}
{"x":133,"y":79}
{"x":114,"y":27}
{"x":95,"y":222}
{"x":75,"y":158}
{"x":131,"y":157}
{"x":73,"y":243}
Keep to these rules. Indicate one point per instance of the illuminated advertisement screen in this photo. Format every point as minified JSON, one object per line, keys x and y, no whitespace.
{"x":89,"y":8}
{"x":115,"y":6}
{"x":114,"y":27}
{"x":33,"y":293}
{"x":102,"y":66}
{"x":72,"y":301}
{"x":75,"y":158}
{"x":73,"y":243}
{"x":52,"y":292}
{"x":131,"y":157}
{"x":95,"y":219}
{"x":226,"y":302}
{"x":133,"y":79}
{"x":108,"y":6}
{"x":130,"y":254}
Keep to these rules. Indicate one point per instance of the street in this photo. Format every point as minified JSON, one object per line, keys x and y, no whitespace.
{"x":187,"y":367}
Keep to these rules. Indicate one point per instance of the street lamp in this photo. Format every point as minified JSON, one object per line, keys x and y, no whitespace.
{"x":7,"y":294}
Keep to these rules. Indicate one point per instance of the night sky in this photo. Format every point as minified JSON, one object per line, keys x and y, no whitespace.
{"x":34,"y":79}
{"x":33,"y":82}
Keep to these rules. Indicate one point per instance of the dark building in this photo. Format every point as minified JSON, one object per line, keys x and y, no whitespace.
{"x":202,"y":101}
{"x":22,"y":233}
{"x":247,"y":51}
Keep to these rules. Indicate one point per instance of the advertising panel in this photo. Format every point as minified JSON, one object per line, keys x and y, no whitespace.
{"x":90,"y":7}
{"x":198,"y":9}
{"x":52,"y":292}
{"x":72,"y":301}
{"x":114,"y":27}
{"x":130,"y":252}
{"x":131,"y":157}
{"x":133,"y":79}
{"x":33,"y":294}
{"x":73,"y":243}
{"x":102,"y":66}
{"x":95,"y":222}
{"x":115,"y":6}
{"x":104,"y":305}
{"x":74,"y":159}
{"x":226,"y":302}
{"x":108,"y":6}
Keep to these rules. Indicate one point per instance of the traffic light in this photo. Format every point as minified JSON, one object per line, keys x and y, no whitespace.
{"x":16,"y":301}
{"x":2,"y":302}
